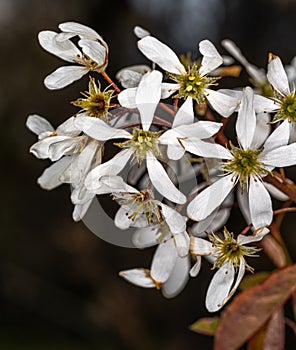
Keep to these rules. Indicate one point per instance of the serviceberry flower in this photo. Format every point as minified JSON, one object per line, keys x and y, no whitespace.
{"x":229,"y":255}
{"x":93,"y":57}
{"x":192,"y":81}
{"x":245,"y":165}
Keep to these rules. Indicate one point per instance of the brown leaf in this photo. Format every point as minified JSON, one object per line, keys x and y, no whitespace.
{"x":275,"y":331}
{"x":206,"y":325}
{"x":252,"y":308}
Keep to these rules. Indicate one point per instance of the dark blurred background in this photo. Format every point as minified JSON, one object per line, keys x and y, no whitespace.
{"x":59,"y":282}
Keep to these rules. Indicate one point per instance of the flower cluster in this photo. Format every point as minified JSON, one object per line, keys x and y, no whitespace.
{"x":168,"y":144}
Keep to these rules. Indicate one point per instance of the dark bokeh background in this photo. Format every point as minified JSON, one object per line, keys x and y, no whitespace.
{"x":59,"y":284}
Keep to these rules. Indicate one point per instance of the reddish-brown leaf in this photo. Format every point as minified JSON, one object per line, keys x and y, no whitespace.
{"x":275,"y":331}
{"x":252,"y":308}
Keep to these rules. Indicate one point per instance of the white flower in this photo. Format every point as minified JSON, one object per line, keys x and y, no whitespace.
{"x":228,"y":254}
{"x":243,"y":164}
{"x":190,"y":81}
{"x":144,"y":144}
{"x":93,"y":57}
{"x":130,"y":77}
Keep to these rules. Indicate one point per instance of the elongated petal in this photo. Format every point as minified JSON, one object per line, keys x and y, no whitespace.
{"x":219,"y":287}
{"x":122,"y":219}
{"x":64,"y":147}
{"x":265,"y":105}
{"x":260,"y":204}
{"x":140,"y":277}
{"x":145,"y":237}
{"x":243,"y":201}
{"x":211,"y":57}
{"x":40,"y":149}
{"x":147,"y":97}
{"x":140,"y":32}
{"x":199,"y":130}
{"x":51,"y":177}
{"x":242,"y":239}
{"x":277,"y":76}
{"x":246,"y":119}
{"x":167,"y":89}
{"x":94,"y":50}
{"x":199,"y":246}
{"x":127,"y":98}
{"x":206,"y":149}
{"x":275,"y":192}
{"x":182,"y":242}
{"x":164,"y":261}
{"x":161,"y":181}
{"x":185,"y":114}
{"x":130,"y":77}
{"x":79,"y":29}
{"x":80,"y":210}
{"x":280,"y":157}
{"x":240,"y":275}
{"x":175,"y":221}
{"x":63,"y":49}
{"x":210,"y":198}
{"x":194,"y":271}
{"x":262,"y":130}
{"x":175,"y":152}
{"x":112,"y":167}
{"x":64,"y":76}
{"x":222,"y":103}
{"x":279,"y":137}
{"x":38,"y":124}
{"x":68,"y":128}
{"x":178,"y":278}
{"x":99,"y":130}
{"x":161,"y":54}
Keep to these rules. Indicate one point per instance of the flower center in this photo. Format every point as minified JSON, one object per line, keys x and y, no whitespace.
{"x":229,"y":250}
{"x":142,"y":203}
{"x":96,"y":102}
{"x":192,"y":84}
{"x":244,"y":164}
{"x":142,"y":142}
{"x":288,"y":109}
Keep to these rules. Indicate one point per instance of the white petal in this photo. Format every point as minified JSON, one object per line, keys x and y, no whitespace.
{"x":147,"y":97}
{"x":280,"y":157}
{"x":64,"y":49}
{"x":279,"y":137}
{"x":275,"y":192}
{"x":243,"y":201}
{"x":50,"y":178}
{"x":185,"y":114}
{"x":262,"y":130}
{"x":122,"y":220}
{"x":206,"y":149}
{"x":175,"y":152}
{"x":94,"y":50}
{"x":194,"y":271}
{"x":127,"y":98}
{"x":112,"y":167}
{"x":140,"y":32}
{"x":64,"y":76}
{"x":38,"y":124}
{"x":222,"y":103}
{"x":167,"y":89}
{"x":65,"y":147}
{"x":164,"y":261}
{"x":182,"y":242}
{"x":68,"y":128}
{"x":240,"y":275}
{"x":211,"y":58}
{"x":264,"y":104}
{"x":242,"y":239}
{"x":79,"y":29}
{"x":175,"y":221}
{"x":139,"y":277}
{"x":161,"y":181}
{"x":178,"y":278}
{"x":130,"y":77}
{"x":145,"y":237}
{"x":210,"y":198}
{"x":80,"y":210}
{"x":246,"y":120}
{"x":161,"y":54}
{"x":260,"y":204}
{"x":99,"y":130}
{"x":40,"y":149}
{"x":219,"y":287}
{"x":199,"y":246}
{"x":277,"y":76}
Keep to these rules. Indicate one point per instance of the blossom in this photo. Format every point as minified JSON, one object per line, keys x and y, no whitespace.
{"x":93,"y":57}
{"x":143,"y":143}
{"x":228,"y":254}
{"x":244,"y":164}
{"x":192,"y":81}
